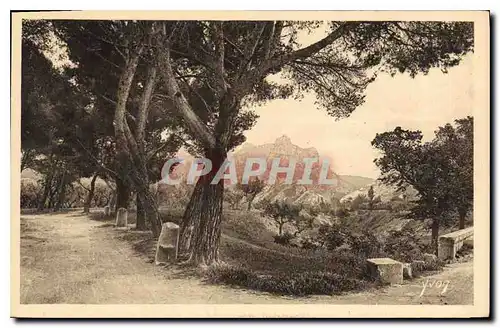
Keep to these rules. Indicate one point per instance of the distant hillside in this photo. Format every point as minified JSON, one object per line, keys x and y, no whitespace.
{"x":385,"y":192}
{"x":357,"y":182}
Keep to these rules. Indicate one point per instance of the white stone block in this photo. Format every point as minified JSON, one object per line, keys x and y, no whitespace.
{"x":387,"y":270}
{"x":121,"y":217}
{"x":168,"y":244}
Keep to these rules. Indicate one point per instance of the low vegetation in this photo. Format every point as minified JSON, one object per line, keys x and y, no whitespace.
{"x":331,"y":263}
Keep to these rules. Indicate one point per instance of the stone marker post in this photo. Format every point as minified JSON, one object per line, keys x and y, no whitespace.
{"x":168,"y":243}
{"x":387,"y":270}
{"x":121,"y":217}
{"x":407,"y":272}
{"x":106,"y":210}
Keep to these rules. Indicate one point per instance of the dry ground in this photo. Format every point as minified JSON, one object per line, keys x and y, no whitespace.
{"x":69,"y":258}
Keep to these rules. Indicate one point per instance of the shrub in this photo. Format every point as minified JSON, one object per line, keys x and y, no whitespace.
{"x":366,"y":245}
{"x":347,"y":263}
{"x":403,"y":245}
{"x":282,"y":212}
{"x":29,"y":193}
{"x":233,"y":197}
{"x":434,"y":265}
{"x":341,"y":212}
{"x":231,"y":275}
{"x":102,"y":194}
{"x":283,"y":239}
{"x":364,"y":206}
{"x":382,"y":206}
{"x":295,"y":283}
{"x":357,"y":201}
{"x":332,"y":236}
{"x":309,"y":243}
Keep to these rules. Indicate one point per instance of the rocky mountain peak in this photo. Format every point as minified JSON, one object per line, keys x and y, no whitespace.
{"x":283,"y":140}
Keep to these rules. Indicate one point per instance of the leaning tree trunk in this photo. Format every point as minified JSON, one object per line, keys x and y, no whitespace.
{"x":151,"y":211}
{"x":149,"y":205}
{"x":122,"y":194}
{"x":61,"y":192}
{"x":188,"y":219}
{"x":52,"y":194}
{"x":201,"y":224}
{"x":435,"y":235}
{"x":112,"y":201}
{"x":146,"y":198}
{"x":120,"y":123}
{"x":90,"y":196}
{"x":46,"y":191}
{"x":140,"y":223}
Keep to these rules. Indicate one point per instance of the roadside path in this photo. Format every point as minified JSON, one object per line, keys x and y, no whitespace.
{"x":68,"y":258}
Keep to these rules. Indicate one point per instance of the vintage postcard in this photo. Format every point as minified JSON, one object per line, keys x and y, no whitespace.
{"x":250,"y":164}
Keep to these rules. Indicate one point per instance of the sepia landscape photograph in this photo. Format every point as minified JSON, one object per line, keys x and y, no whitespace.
{"x":224,"y":160}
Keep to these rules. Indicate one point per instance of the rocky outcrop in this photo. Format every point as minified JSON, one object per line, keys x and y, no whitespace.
{"x":284,"y":149}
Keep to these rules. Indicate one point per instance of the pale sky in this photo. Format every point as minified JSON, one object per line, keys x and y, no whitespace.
{"x":422,"y":103}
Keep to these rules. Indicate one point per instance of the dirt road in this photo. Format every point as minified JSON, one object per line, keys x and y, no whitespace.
{"x":68,"y":258}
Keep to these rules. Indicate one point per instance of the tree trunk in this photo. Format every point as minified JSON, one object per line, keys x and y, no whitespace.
{"x":61,"y":192}
{"x":140,"y":179}
{"x":148,"y":202}
{"x":188,"y":218}
{"x":112,"y":201}
{"x":52,"y":193}
{"x":90,"y":196}
{"x":205,"y":245}
{"x":280,"y":229}
{"x":462,"y":215}
{"x":151,"y":211}
{"x":27,"y":157}
{"x":46,"y":190}
{"x":201,"y":224}
{"x":140,"y":223}
{"x":120,"y":123}
{"x":122,"y":194}
{"x":435,"y":235}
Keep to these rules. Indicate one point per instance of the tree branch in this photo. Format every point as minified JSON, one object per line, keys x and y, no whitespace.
{"x":194,"y":123}
{"x":167,"y":142}
{"x":218,"y":35}
{"x":104,"y":167}
{"x":313,"y":48}
{"x":273,"y":39}
{"x":142,"y":115}
{"x":251,"y":46}
{"x":81,"y":184}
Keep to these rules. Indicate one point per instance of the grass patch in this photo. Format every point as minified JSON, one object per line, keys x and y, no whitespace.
{"x":288,"y":271}
{"x":246,"y":225}
{"x":296,"y":283}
